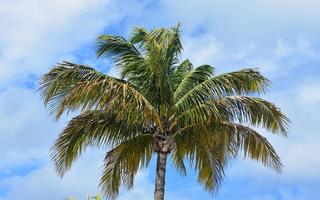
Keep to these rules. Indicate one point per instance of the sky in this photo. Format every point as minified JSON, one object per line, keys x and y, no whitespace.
{"x":281,"y":38}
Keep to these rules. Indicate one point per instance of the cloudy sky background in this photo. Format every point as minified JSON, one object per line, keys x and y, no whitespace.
{"x":282,"y":38}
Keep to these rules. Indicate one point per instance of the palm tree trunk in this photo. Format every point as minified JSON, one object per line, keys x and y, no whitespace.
{"x":160,"y":176}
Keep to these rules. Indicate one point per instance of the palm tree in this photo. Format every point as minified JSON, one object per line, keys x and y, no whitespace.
{"x":159,"y":106}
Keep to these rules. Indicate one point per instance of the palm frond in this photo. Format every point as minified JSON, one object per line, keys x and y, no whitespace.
{"x":183,"y":68}
{"x":123,"y":162}
{"x":177,"y":158}
{"x":61,"y":79}
{"x":208,"y":151}
{"x":118,"y":48}
{"x":246,"y":81}
{"x":210,"y":164}
{"x":254,"y":145}
{"x":138,"y":36}
{"x":241,"y":109}
{"x":174,"y":47}
{"x":70,"y":87}
{"x":177,"y":74}
{"x":126,"y":56}
{"x":252,"y":110}
{"x":91,"y":128}
{"x":192,"y":79}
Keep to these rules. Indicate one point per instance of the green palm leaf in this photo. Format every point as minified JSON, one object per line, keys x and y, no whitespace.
{"x":70,"y":87}
{"x":245,"y":81}
{"x":254,"y":145}
{"x":123,"y":162}
{"x":192,"y":79}
{"x":91,"y":128}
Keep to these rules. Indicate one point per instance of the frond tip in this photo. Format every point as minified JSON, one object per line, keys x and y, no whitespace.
{"x":254,"y":145}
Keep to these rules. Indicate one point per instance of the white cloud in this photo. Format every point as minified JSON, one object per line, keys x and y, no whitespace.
{"x":276,"y":62}
{"x":201,"y":50}
{"x":246,"y":18}
{"x":45,"y":183}
{"x":310,"y":94}
{"x":26,"y":131}
{"x":36,"y":34}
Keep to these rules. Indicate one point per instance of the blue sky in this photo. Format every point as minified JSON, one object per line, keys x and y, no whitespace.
{"x":279,"y":37}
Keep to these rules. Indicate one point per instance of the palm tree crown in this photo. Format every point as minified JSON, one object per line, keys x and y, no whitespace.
{"x":159,"y":106}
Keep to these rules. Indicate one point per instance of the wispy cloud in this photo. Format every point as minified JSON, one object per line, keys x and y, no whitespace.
{"x":36,"y":34}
